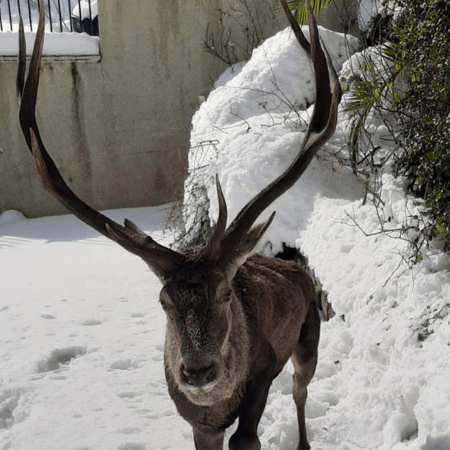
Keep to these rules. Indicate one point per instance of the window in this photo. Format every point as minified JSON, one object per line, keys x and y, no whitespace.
{"x":71,"y":26}
{"x":62,"y":15}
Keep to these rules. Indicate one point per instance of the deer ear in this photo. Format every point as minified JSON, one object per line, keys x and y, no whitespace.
{"x":244,"y":248}
{"x":161,"y":260}
{"x":161,"y":268}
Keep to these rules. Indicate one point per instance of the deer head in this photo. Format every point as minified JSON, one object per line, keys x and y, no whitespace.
{"x":199,"y":296}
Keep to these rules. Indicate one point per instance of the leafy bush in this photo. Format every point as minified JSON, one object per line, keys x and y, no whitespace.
{"x":413,"y":88}
{"x":299,"y":9}
{"x":422,"y":30}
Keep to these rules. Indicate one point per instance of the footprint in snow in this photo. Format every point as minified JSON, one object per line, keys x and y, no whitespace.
{"x":91,"y":323}
{"x":129,"y":430}
{"x":128,"y":394}
{"x":60,"y":357}
{"x":48,"y":316}
{"x":121,"y":364}
{"x":9,"y":400}
{"x":132,"y":446}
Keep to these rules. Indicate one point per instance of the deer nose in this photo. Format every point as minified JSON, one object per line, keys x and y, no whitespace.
{"x":198,"y":376}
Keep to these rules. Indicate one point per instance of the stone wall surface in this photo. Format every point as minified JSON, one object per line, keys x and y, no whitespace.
{"x":118,"y":125}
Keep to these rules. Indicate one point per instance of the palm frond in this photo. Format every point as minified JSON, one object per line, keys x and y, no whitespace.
{"x":299,"y":8}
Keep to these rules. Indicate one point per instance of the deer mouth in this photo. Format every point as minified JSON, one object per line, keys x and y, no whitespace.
{"x":200,"y":389}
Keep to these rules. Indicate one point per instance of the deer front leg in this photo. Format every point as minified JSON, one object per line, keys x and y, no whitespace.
{"x":252,"y":405}
{"x":207,"y":441}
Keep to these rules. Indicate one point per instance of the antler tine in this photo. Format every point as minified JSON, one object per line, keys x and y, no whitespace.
{"x":321,"y":128}
{"x":129,"y":236}
{"x":213,"y":248}
{"x":22,"y":63}
{"x":304,"y":44}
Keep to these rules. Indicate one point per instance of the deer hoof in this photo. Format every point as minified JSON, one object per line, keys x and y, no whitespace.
{"x":244,"y":442}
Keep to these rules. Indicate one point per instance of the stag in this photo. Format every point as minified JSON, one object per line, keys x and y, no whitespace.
{"x":233,"y":318}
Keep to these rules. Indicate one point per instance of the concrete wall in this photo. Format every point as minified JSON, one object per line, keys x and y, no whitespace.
{"x":117,"y":127}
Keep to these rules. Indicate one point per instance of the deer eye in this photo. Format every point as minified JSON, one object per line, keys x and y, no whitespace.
{"x":226,"y":296}
{"x":166,"y":303}
{"x":165,"y":306}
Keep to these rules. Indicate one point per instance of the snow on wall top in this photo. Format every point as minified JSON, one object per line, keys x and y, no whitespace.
{"x":54,"y":44}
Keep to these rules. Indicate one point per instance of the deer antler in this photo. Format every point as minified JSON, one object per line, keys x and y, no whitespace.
{"x":321,"y":128}
{"x":224,"y":242}
{"x":129,"y":236}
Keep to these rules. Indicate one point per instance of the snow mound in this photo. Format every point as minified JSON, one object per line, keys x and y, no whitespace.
{"x":250,"y":129}
{"x":11,"y":216}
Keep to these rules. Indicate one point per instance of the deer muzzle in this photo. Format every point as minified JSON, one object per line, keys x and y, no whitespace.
{"x":199,"y":374}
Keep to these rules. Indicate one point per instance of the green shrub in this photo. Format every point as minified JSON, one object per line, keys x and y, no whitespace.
{"x":422,"y":30}
{"x":415,"y":90}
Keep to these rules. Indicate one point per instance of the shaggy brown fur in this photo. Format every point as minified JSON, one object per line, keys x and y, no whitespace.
{"x":270,"y":301}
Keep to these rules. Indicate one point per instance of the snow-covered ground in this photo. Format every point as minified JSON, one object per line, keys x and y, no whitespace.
{"x":82,"y":333}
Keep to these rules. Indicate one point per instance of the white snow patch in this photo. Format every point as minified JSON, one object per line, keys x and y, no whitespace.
{"x":55,"y":44}
{"x":11,"y":216}
{"x":249,"y":131}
